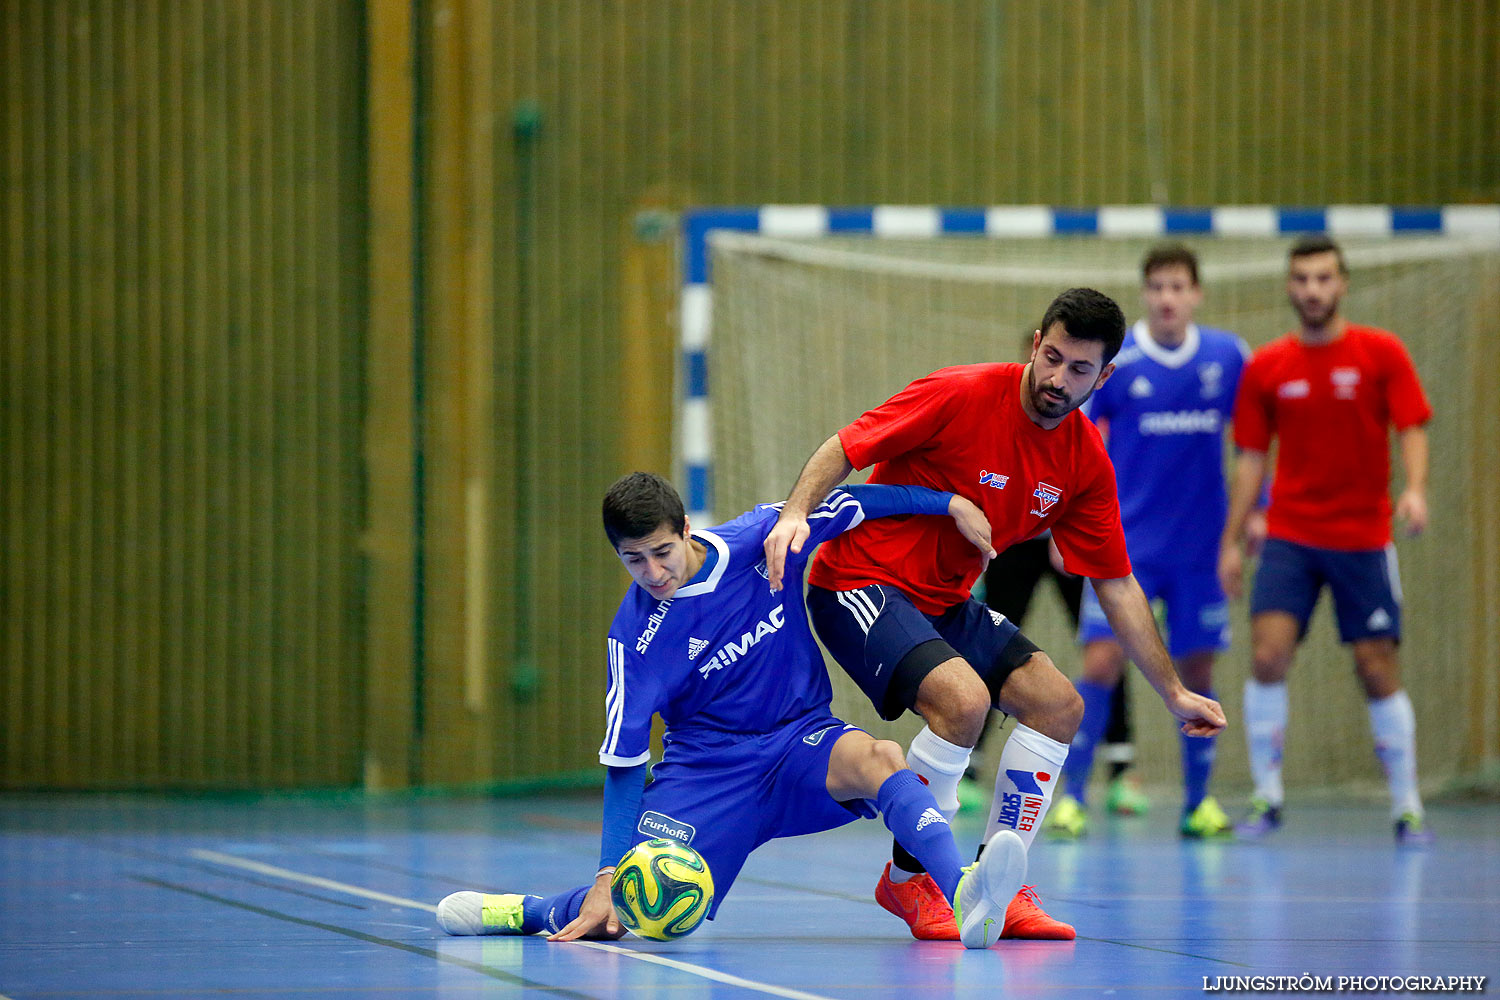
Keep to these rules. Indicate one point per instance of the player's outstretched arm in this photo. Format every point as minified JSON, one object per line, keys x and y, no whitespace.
{"x":623,"y":788}
{"x":1411,"y":506}
{"x":1129,"y":614}
{"x":596,"y":917}
{"x":1249,"y":474}
{"x":836,"y":514}
{"x":827,"y":467}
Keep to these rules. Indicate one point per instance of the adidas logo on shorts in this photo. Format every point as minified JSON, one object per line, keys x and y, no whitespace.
{"x":929,"y":817}
{"x":695,"y":646}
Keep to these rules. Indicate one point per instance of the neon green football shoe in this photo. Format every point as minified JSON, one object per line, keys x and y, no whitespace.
{"x":1067,"y":820}
{"x":971,"y":796}
{"x":1412,"y":832}
{"x":1206,"y":821}
{"x":1126,"y":798}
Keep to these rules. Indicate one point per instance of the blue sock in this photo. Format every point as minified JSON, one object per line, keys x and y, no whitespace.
{"x":1080,"y":762}
{"x":913,"y":816}
{"x":1197,"y":767}
{"x":551,"y":913}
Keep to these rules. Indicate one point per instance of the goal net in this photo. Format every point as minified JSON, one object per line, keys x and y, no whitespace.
{"x":808,"y":333}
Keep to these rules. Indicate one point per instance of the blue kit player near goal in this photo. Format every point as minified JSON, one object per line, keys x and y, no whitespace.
{"x":1163,"y":416}
{"x":751,"y":750}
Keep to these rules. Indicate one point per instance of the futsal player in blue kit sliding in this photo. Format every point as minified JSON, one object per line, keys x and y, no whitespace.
{"x":751,"y":751}
{"x":1163,"y":416}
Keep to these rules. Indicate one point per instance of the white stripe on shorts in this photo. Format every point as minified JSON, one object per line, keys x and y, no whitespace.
{"x":1393,"y":570}
{"x":859,"y":606}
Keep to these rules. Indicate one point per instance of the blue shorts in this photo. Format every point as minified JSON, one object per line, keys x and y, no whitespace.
{"x":728,"y":793}
{"x":1366,"y":587}
{"x":1197,"y":613}
{"x":887,"y":646}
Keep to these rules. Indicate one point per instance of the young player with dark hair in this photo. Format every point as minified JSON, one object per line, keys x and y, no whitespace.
{"x":1163,"y":417}
{"x":1327,"y":394}
{"x":891,"y":599}
{"x":751,"y":751}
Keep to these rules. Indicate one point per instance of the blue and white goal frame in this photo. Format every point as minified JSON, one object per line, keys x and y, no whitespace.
{"x":1009,"y":221}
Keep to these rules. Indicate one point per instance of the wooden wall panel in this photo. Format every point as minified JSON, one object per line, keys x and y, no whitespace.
{"x":1480,"y":580}
{"x":390,"y":435}
{"x":180,"y":438}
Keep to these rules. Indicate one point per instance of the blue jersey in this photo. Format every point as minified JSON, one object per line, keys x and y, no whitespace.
{"x":725,"y":655}
{"x":1167,"y":409}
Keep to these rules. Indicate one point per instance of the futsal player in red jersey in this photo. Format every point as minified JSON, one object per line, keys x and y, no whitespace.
{"x":1327,"y":393}
{"x":891,"y":600}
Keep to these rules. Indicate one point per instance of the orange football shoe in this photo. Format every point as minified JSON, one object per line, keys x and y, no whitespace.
{"x":1024,"y":919}
{"x":921,"y":904}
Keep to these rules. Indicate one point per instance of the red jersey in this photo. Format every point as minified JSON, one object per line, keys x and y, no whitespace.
{"x":1329,"y":406}
{"x":963,"y":430}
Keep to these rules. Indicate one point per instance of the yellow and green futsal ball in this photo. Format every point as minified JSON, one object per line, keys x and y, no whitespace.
{"x":662,"y":889}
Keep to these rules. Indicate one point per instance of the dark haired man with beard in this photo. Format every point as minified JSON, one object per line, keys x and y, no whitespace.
{"x":1327,"y":392}
{"x":891,"y":599}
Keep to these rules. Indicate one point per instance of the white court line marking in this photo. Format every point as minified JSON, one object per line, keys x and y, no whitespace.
{"x":698,"y":970}
{"x":323,"y":883}
{"x":261,"y":868}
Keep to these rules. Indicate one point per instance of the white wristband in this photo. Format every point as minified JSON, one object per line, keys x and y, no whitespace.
{"x":606,"y":870}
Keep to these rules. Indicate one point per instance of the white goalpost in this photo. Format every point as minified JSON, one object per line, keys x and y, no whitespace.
{"x":794,"y":319}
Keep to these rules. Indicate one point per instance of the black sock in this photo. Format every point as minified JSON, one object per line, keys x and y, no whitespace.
{"x":904,"y":860}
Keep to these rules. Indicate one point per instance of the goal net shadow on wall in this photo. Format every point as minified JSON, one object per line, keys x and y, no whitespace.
{"x":795,"y":319}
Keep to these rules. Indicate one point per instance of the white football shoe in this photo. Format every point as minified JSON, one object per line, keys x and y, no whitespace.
{"x":469,"y":912}
{"x":986,"y":889}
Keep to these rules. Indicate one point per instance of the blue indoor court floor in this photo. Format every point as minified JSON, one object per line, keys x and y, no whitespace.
{"x":178,"y":897}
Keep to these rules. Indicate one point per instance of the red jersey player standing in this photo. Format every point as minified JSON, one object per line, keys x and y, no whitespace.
{"x":1327,"y":393}
{"x":891,"y":600}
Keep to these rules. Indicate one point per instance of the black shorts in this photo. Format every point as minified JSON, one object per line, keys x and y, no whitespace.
{"x":1366,"y":587}
{"x":888,"y":646}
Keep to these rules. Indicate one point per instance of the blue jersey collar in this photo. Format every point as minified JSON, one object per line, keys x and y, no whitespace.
{"x":714,"y":572}
{"x":1167,"y":357}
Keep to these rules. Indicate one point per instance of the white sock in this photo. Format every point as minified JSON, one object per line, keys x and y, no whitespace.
{"x":1265,"y":730}
{"x":1029,"y":766}
{"x":1395,"y":727}
{"x":940,"y":765}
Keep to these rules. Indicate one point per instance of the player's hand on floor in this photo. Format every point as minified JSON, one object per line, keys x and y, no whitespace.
{"x":1200,"y":716}
{"x":596,"y":917}
{"x":973,"y":525}
{"x":790,"y":533}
